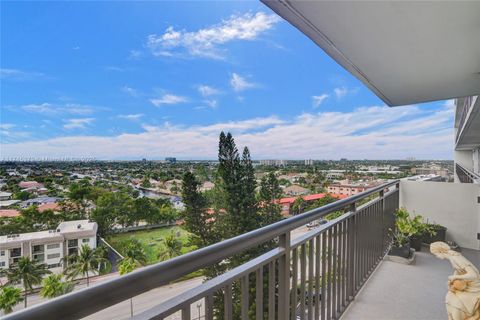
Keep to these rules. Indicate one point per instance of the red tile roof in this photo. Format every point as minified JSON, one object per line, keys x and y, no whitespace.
{"x":49,"y":206}
{"x":311,"y":197}
{"x":7,"y":213}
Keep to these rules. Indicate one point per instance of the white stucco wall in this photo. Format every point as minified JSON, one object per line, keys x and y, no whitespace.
{"x":453,"y":205}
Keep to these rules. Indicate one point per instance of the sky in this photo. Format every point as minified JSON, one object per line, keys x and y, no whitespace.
{"x":133,"y":80}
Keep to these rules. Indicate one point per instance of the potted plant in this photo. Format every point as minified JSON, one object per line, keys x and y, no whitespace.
{"x":434,"y":232}
{"x":401,"y":236}
{"x":400,"y":246}
{"x":418,"y":230}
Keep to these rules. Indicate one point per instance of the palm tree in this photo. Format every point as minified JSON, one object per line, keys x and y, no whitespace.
{"x":53,"y":286}
{"x":134,"y":256}
{"x":28,"y":272}
{"x":134,"y":251}
{"x":172,"y":247}
{"x":86,"y":261}
{"x":9,"y":297}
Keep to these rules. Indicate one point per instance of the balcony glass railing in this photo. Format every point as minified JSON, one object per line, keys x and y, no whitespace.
{"x":317,"y":274}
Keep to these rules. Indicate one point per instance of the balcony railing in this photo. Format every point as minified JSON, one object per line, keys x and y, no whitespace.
{"x":314,"y":276}
{"x":466,"y":176}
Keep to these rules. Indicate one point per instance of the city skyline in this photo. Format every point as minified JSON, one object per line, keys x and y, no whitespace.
{"x":131,"y":81}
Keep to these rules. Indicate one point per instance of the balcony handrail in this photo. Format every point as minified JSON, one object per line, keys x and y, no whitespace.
{"x":87,"y":301}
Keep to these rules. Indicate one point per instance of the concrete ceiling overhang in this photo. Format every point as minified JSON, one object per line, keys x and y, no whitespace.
{"x":406,"y":52}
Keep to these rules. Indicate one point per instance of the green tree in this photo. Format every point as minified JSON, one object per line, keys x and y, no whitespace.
{"x":87,"y":261}
{"x":270,"y":193}
{"x":9,"y":298}
{"x":172,"y":247}
{"x":298,"y":206}
{"x":134,"y":256}
{"x":27,"y":272}
{"x":197,"y":219}
{"x":54,"y":286}
{"x":134,"y":251}
{"x":22,"y":195}
{"x":112,"y":208}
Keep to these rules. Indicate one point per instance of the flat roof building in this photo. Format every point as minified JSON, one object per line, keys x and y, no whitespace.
{"x":50,"y":246}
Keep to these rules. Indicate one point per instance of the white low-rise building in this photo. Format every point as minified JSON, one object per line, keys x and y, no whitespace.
{"x":49,"y":246}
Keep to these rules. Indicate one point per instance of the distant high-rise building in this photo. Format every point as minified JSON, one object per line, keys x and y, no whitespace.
{"x":171,"y":159}
{"x":272,"y":162}
{"x":308,"y":162}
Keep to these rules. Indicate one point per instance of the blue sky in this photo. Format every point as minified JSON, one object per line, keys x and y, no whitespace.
{"x":128,"y":80}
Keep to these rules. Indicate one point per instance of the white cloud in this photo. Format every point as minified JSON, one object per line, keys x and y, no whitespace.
{"x":131,"y":91}
{"x":78,"y":123}
{"x":207,"y":91}
{"x":317,"y":100}
{"x":207,"y":42}
{"x":239,"y":83}
{"x":135,"y":55}
{"x":49,"y":109}
{"x":132,"y":117}
{"x":6,"y":126}
{"x":168,"y":99}
{"x":211,"y":103}
{"x":375,"y":132}
{"x":340,"y":92}
{"x":15,"y":74}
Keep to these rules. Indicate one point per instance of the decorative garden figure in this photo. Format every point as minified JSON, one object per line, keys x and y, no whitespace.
{"x":463,"y":297}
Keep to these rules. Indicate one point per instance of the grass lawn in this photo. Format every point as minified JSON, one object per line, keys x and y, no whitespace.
{"x":152,"y":240}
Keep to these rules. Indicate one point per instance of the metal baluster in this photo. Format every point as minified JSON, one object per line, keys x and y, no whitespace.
{"x":310,"y":278}
{"x":227,"y":297}
{"x":329,"y":274}
{"x":318,"y":253}
{"x":271,"y":290}
{"x":303,"y":258}
{"x":284,"y":278}
{"x":294,"y":299}
{"x":324,"y":276}
{"x":259,"y":293}
{"x":244,"y":297}
{"x":334,"y":270}
{"x":209,"y":307}
{"x":186,"y":312}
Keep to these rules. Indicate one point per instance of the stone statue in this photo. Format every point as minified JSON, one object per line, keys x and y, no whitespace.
{"x":463,"y":296}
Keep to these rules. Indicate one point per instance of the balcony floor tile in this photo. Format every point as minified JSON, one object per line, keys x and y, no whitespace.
{"x":406,"y":292}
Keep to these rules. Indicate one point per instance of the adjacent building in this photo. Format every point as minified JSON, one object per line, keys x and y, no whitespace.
{"x":347,"y":188}
{"x":48,"y":247}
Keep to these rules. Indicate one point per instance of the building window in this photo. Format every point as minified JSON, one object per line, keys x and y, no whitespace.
{"x":72,"y":251}
{"x":53,"y":256}
{"x":15,"y":252}
{"x":39,"y":257}
{"x":73,"y":243}
{"x":2,"y":253}
{"x":53,"y":265}
{"x":38,"y":249}
{"x":86,"y":240}
{"x":53,"y":246}
{"x":2,"y":264}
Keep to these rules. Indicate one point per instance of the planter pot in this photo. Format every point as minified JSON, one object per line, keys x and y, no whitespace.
{"x":416,"y":243}
{"x":403,"y":252}
{"x":440,"y":236}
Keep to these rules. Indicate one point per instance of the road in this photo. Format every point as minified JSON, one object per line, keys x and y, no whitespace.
{"x":148,"y":299}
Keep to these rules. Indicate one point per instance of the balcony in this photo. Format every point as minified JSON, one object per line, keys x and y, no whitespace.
{"x":342,"y":258}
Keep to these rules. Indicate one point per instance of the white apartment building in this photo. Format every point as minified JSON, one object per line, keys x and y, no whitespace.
{"x":48,"y":247}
